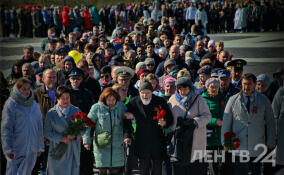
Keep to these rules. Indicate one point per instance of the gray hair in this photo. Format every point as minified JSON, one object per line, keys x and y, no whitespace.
{"x":163,"y":51}
{"x":48,"y":70}
{"x":130,"y":52}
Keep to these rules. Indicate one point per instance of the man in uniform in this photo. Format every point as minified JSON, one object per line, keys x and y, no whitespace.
{"x":124,"y":75}
{"x":226,"y":85}
{"x":247,"y":114}
{"x":236,"y":67}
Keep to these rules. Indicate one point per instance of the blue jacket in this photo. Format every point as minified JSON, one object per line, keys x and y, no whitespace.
{"x":55,"y":125}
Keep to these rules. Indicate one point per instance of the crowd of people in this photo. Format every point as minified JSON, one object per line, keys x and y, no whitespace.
{"x":159,"y":90}
{"x":214,"y":17}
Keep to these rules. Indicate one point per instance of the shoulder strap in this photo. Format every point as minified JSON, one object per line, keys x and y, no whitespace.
{"x":190,"y":105}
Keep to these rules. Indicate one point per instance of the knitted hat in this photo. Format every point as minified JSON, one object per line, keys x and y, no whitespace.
{"x":210,"y":81}
{"x":264,"y":78}
{"x":145,"y":85}
{"x":184,"y":81}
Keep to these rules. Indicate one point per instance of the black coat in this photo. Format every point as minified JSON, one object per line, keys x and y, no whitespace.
{"x":149,"y":136}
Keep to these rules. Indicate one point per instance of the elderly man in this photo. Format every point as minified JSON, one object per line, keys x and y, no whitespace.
{"x":28,"y":55}
{"x":236,"y":67}
{"x":247,"y":114}
{"x":149,"y":143}
{"x":28,"y":72}
{"x":226,"y":85}
{"x":123,"y":77}
{"x":199,"y":51}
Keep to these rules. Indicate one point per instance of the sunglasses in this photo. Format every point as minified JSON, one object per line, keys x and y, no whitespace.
{"x":150,"y":65}
{"x":104,"y":76}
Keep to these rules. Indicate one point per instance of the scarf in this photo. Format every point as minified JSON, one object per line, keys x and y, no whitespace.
{"x":184,"y":101}
{"x":21,"y":99}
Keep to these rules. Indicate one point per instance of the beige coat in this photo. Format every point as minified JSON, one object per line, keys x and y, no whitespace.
{"x":201,"y":114}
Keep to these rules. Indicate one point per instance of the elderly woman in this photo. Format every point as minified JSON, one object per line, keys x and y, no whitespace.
{"x":263,"y":86}
{"x":168,"y":88}
{"x":108,"y":115}
{"x":186,"y":103}
{"x":216,"y":101}
{"x":21,"y":129}
{"x":56,"y":122}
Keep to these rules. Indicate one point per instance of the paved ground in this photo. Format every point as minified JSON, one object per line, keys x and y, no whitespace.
{"x":263,"y":51}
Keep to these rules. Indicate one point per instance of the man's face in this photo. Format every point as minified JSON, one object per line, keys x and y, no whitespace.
{"x":261,"y":86}
{"x":105,"y":77}
{"x":149,"y":49}
{"x":72,"y":39}
{"x":223,"y":57}
{"x":26,"y":71}
{"x":109,"y":52}
{"x":248,"y":86}
{"x":174,"y":53}
{"x":199,"y":46}
{"x":205,"y":42}
{"x":75,"y":81}
{"x":126,"y":48}
{"x":236,"y":74}
{"x":203,"y":78}
{"x":224,"y":83}
{"x":95,"y":30}
{"x":125,"y":81}
{"x":49,"y":79}
{"x":146,"y":96}
{"x":68,"y":66}
{"x":52,"y":46}
{"x":139,"y":51}
{"x":28,"y":54}
{"x":85,"y":70}
{"x":177,"y":40}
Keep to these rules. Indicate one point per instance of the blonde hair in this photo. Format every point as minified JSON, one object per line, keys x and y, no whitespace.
{"x":45,"y":58}
{"x":220,"y":43}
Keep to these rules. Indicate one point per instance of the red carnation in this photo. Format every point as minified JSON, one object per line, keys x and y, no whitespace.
{"x":236,"y":143}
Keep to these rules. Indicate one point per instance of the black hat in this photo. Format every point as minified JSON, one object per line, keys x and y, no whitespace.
{"x":62,"y":50}
{"x":145,"y":85}
{"x":184,"y":81}
{"x":236,"y":64}
{"x":76,"y":72}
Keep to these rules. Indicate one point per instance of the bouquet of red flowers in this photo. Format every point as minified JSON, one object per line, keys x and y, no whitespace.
{"x":160,"y":114}
{"x":230,"y":142}
{"x":77,"y":125}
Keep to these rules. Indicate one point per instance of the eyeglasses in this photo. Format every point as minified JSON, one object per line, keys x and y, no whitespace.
{"x":150,"y":65}
{"x":104,"y":76}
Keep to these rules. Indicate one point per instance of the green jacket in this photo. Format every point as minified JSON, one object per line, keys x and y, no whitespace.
{"x":108,"y":120}
{"x":216,"y":106}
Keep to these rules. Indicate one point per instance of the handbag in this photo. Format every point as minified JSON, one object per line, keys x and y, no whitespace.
{"x":103,"y":139}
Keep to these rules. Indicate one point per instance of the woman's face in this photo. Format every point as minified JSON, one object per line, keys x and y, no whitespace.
{"x":213,"y":90}
{"x":154,"y":83}
{"x":64,"y":100}
{"x":25,"y":89}
{"x":110,"y":101}
{"x":123,"y":93}
{"x":169,"y":89}
{"x":261,"y":86}
{"x":183,"y":91}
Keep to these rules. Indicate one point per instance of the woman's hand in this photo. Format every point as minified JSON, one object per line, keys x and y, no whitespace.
{"x":11,"y":156}
{"x":65,"y":140}
{"x":87,"y":146}
{"x":127,"y":142}
{"x":162,"y":122}
{"x":129,"y":115}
